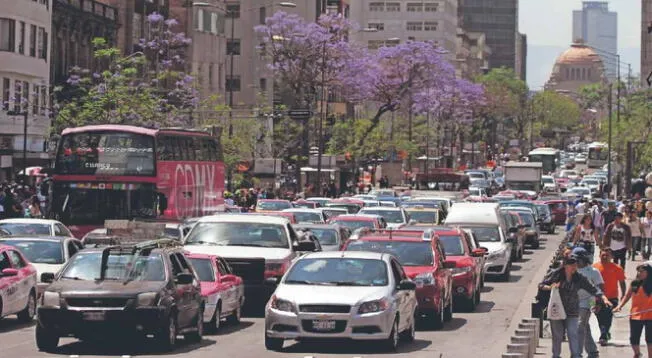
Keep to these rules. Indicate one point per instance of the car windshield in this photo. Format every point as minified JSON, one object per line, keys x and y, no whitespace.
{"x":39,"y":251}
{"x":544,"y":209}
{"x":581,"y":191}
{"x":424,"y":217}
{"x":273,"y":205}
{"x":452,"y":245}
{"x":527,"y":218}
{"x":548,"y":180}
{"x":350,"y":208}
{"x":238,"y":234}
{"x":26,"y":229}
{"x":204,"y":269}
{"x":355,"y":224}
{"x":87,"y":266}
{"x":306,"y":217}
{"x":391,"y":216}
{"x":475,"y":175}
{"x":409,"y":253}
{"x":475,"y":192}
{"x":486,"y":234}
{"x":326,"y":237}
{"x":339,"y":271}
{"x":171,"y":232}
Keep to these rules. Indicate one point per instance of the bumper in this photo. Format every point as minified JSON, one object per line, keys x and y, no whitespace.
{"x":463,"y":285}
{"x":427,"y":299}
{"x":77,"y":323}
{"x":288,"y":325}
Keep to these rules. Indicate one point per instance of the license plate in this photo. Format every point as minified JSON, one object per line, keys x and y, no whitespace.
{"x":321,"y":325}
{"x":93,"y":316}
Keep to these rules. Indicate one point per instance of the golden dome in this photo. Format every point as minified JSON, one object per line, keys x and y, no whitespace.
{"x":578,"y":54}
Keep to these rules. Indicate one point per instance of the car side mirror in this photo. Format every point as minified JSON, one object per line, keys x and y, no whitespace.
{"x":227,"y":278}
{"x":449,"y":264}
{"x":9,"y":272}
{"x":184,"y":278}
{"x":407,"y":285}
{"x":47,"y":277}
{"x":272,"y":281}
{"x":305,"y":246}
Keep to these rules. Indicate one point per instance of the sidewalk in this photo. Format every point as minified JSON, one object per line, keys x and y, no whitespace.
{"x":619,"y":345}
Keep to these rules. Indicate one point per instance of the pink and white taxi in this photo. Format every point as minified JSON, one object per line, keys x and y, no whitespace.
{"x":223,"y":292}
{"x":17,"y":285}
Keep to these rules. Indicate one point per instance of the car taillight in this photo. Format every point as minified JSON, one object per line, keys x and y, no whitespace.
{"x":275,"y":269}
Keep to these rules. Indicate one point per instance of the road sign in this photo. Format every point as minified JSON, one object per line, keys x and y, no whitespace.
{"x":300,"y":113}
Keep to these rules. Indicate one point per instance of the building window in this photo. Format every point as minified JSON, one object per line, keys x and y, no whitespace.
{"x":221,"y":24}
{"x":431,"y":6}
{"x":25,"y":106}
{"x":199,"y":21}
{"x":262,"y":15}
{"x":7,"y":35}
{"x":375,"y":44}
{"x":430,"y":26}
{"x":262,"y":83}
{"x":376,"y":6}
{"x":414,"y":26}
{"x":567,"y":73}
{"x":6,"y":93}
{"x":233,"y":47}
{"x":392,"y":43}
{"x":42,"y":43}
{"x":393,"y":6}
{"x":36,"y":93}
{"x":376,"y":25}
{"x":44,"y":100}
{"x":21,"y":38}
{"x":207,"y":21}
{"x":588,"y":74}
{"x":415,"y":7}
{"x":412,"y":38}
{"x":233,"y":83}
{"x":233,"y":11}
{"x":32,"y":40}
{"x":214,"y":23}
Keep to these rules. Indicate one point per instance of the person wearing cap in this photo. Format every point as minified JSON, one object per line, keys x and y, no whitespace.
{"x":587,"y":301}
{"x":613,"y":277}
{"x":640,"y":292}
{"x":618,"y":238}
{"x":569,"y":282}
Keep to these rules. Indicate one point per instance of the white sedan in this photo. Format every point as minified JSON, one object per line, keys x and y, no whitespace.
{"x":34,"y":227}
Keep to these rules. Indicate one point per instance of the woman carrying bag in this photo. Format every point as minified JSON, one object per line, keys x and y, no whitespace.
{"x":640,"y":291}
{"x":565,"y":284}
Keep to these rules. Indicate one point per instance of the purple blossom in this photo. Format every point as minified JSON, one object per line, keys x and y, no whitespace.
{"x":96,"y":75}
{"x":73,"y":80}
{"x":171,"y":22}
{"x":155,"y":17}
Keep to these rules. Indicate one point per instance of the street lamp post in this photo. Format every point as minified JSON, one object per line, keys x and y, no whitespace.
{"x":609,"y":144}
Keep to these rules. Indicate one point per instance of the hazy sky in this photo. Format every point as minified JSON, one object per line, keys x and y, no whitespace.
{"x":548,"y":23}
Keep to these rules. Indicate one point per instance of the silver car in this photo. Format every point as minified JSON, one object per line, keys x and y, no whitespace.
{"x":349,"y":295}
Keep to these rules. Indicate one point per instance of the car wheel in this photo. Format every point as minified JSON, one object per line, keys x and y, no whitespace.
{"x":46,"y":340}
{"x":391,"y":343}
{"x":167,"y":338}
{"x":28,"y":313}
{"x":234,"y":318}
{"x":505,"y":276}
{"x":448,"y":312}
{"x":196,"y":336}
{"x":273,"y":344}
{"x":409,"y":334}
{"x":216,"y":322}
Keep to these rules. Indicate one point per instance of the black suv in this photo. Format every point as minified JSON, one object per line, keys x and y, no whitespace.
{"x":149,"y":288}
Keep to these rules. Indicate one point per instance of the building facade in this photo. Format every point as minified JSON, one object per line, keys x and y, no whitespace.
{"x":498,"y":20}
{"x":398,"y":21}
{"x":597,"y":27}
{"x":25,"y":42}
{"x":520,"y":66}
{"x":646,"y":42}
{"x":74,"y":26}
{"x":472,"y":54}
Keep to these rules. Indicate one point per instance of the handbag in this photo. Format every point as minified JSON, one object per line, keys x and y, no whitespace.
{"x":555,"y":311}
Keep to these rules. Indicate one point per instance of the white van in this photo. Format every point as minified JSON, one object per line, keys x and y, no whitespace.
{"x":488,"y":226}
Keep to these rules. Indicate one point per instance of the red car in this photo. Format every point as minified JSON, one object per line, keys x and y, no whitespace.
{"x":558,"y":209}
{"x":223,"y":292}
{"x":356,"y":221}
{"x":422,"y":256}
{"x":468,"y":273}
{"x":519,"y":195}
{"x":17,"y":285}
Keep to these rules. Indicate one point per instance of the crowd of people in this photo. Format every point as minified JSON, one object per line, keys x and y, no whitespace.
{"x":621,"y":231}
{"x":22,"y":200}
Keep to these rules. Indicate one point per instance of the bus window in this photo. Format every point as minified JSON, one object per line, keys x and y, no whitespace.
{"x":199,"y":149}
{"x":189,"y":143}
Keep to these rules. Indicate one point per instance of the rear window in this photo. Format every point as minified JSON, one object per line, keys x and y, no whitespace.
{"x":204,"y":269}
{"x":408,"y":253}
{"x":453,"y":245}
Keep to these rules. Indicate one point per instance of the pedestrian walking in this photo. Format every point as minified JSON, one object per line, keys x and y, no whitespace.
{"x":636,"y":229}
{"x":646,"y":246}
{"x":613,"y":277}
{"x":568,"y":281}
{"x":640,"y":292}
{"x":585,"y":235}
{"x":596,"y":217}
{"x":587,"y":301}
{"x":609,"y":215}
{"x":618,"y":238}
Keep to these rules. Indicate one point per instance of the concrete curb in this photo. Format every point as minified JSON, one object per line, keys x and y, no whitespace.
{"x":525,"y":340}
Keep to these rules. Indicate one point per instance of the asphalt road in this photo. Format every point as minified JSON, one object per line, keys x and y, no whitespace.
{"x":482,"y":334}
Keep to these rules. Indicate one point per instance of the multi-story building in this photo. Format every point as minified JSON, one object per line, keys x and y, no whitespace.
{"x":646,"y":41}
{"x":520,"y":65}
{"x":25,"y":32}
{"x":498,"y":20}
{"x":397,"y":21}
{"x":597,"y":27}
{"x":578,"y":66}
{"x":472,"y":54}
{"x":75,"y":23}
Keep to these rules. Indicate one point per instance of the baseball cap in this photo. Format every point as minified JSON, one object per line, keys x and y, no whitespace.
{"x":570,"y":260}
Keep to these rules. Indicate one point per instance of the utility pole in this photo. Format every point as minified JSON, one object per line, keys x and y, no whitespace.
{"x":324,"y":112}
{"x":609,"y":173}
{"x":619,"y":183}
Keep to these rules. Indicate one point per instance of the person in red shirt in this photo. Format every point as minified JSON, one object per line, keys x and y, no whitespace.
{"x":613,"y":276}
{"x":640,"y":317}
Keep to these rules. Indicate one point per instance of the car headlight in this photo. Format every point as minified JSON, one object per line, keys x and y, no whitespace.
{"x":457,"y":271}
{"x":147,"y":299}
{"x":497,"y":254}
{"x":50,"y":299}
{"x":425,"y":278}
{"x":282,"y":305}
{"x":374,"y":306}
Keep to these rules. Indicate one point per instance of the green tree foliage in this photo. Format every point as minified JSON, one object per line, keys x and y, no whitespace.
{"x":552,"y":110}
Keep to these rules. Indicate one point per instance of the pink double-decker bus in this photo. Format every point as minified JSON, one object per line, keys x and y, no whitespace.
{"x":124,"y":172}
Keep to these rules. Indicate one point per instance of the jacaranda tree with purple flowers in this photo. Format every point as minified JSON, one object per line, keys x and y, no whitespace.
{"x":147,"y":88}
